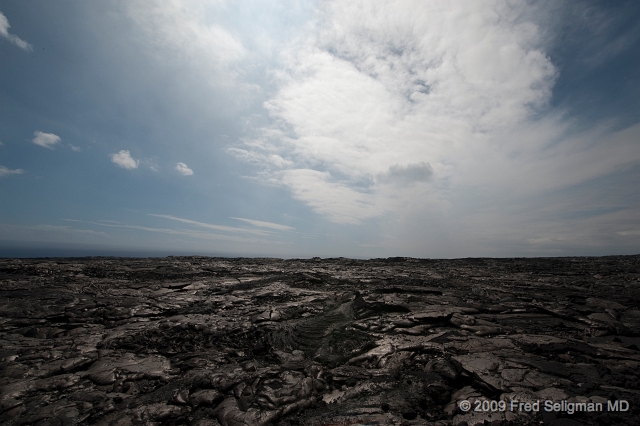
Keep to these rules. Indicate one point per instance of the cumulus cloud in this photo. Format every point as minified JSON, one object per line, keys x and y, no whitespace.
{"x":397,"y":92}
{"x":4,"y":32}
{"x":413,"y":112}
{"x":183,"y":169}
{"x":123,"y":159}
{"x":46,"y":140}
{"x":4,"y":171}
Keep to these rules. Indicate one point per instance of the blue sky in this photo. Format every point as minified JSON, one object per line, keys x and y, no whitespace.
{"x":321,"y":128}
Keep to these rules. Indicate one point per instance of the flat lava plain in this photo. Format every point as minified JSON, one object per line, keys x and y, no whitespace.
{"x":218,"y":341}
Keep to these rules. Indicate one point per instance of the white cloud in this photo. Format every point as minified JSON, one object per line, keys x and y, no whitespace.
{"x":184,"y":33}
{"x":183,"y":169}
{"x":6,"y":172}
{"x":75,"y":148}
{"x":414,"y":109}
{"x":397,"y":92}
{"x":336,"y":200}
{"x":58,"y":228}
{"x":4,"y":32}
{"x":251,"y":156}
{"x":188,"y":233}
{"x":46,"y":140}
{"x":123,"y":159}
{"x":212,"y":226}
{"x":262,"y":224}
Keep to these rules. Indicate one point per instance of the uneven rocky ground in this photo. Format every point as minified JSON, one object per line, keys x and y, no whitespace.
{"x":208,"y":341}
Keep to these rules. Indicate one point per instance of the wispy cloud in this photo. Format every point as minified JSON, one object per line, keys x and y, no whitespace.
{"x":75,"y":148}
{"x":58,"y":228}
{"x":151,"y":163}
{"x":262,"y":159}
{"x":45,"y":231}
{"x":262,"y":224}
{"x":4,"y":32}
{"x":634,"y":233}
{"x":4,"y":171}
{"x":183,"y":169}
{"x":123,"y":159}
{"x":46,"y":140}
{"x":249,"y":236}
{"x":182,"y":32}
{"x":182,"y":232}
{"x":212,"y":226}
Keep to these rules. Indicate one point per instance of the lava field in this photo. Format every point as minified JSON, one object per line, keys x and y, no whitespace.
{"x":398,"y":341}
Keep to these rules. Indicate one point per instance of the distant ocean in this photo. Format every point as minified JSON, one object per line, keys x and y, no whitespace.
{"x":11,"y":249}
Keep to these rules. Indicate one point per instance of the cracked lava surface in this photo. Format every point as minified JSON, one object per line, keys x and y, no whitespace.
{"x":217,"y":341}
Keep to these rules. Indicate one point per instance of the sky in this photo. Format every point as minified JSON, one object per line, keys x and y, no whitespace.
{"x":432,"y":129}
